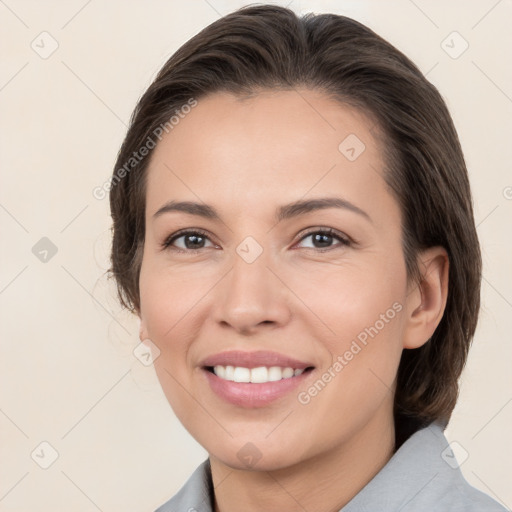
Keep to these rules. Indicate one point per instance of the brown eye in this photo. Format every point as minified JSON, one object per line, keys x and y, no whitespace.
{"x":321,"y":240}
{"x":194,"y":241}
{"x":185,"y":241}
{"x":325,"y":239}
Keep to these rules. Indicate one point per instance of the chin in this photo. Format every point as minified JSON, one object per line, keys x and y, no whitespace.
{"x":256,"y":453}
{"x":251,"y":458}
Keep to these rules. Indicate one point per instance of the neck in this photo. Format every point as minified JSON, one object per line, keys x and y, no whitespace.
{"x":323,"y":483}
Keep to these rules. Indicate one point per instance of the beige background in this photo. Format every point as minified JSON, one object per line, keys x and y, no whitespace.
{"x":68,"y":374}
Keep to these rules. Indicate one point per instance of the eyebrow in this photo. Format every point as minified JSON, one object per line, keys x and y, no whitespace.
{"x":284,"y":212}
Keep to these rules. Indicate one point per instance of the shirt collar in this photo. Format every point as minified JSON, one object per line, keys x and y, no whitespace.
{"x":415,"y":477}
{"x":421,"y":473}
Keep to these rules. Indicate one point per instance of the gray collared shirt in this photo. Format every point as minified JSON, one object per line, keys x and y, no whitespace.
{"x":422,"y":476}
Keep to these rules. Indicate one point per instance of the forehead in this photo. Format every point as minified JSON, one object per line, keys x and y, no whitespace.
{"x":274,"y":146}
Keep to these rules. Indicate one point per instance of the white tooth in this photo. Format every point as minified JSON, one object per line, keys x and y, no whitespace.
{"x":274,"y":373}
{"x":259,"y":375}
{"x":220,"y":371}
{"x":287,"y":373}
{"x":242,"y":374}
{"x":230,"y":371}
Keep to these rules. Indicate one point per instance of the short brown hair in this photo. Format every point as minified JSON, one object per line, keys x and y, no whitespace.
{"x":270,"y":47}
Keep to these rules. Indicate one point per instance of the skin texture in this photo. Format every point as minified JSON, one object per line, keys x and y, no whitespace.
{"x":247,"y":157}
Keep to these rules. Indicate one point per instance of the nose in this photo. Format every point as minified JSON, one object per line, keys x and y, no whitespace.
{"x":252,"y":297}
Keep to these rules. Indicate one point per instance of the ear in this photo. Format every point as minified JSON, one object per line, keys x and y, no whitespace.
{"x":426,"y":300}
{"x":143,"y":331}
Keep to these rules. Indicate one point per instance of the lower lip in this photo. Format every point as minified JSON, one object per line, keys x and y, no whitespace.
{"x":246,"y":394}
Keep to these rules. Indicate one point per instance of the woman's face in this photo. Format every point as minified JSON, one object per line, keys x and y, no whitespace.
{"x":272,"y":242}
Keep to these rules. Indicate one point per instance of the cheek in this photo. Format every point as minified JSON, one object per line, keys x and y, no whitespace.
{"x":169,"y":300}
{"x":350,"y":296}
{"x":358,"y":318}
{"x":364,"y":317}
{"x":170,"y":308}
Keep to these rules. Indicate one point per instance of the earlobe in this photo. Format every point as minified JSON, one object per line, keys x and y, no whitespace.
{"x":143,"y":332}
{"x":427,"y":301}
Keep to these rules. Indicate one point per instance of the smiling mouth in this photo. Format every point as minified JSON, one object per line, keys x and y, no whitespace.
{"x":258,"y":375}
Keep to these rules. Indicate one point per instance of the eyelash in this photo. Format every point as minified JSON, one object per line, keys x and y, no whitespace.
{"x":344,"y":241}
{"x":170,"y":239}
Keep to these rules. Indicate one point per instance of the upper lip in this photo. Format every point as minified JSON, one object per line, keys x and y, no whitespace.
{"x":254,"y":360}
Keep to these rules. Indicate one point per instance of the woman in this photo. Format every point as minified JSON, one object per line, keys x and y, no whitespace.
{"x":293,"y":226}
